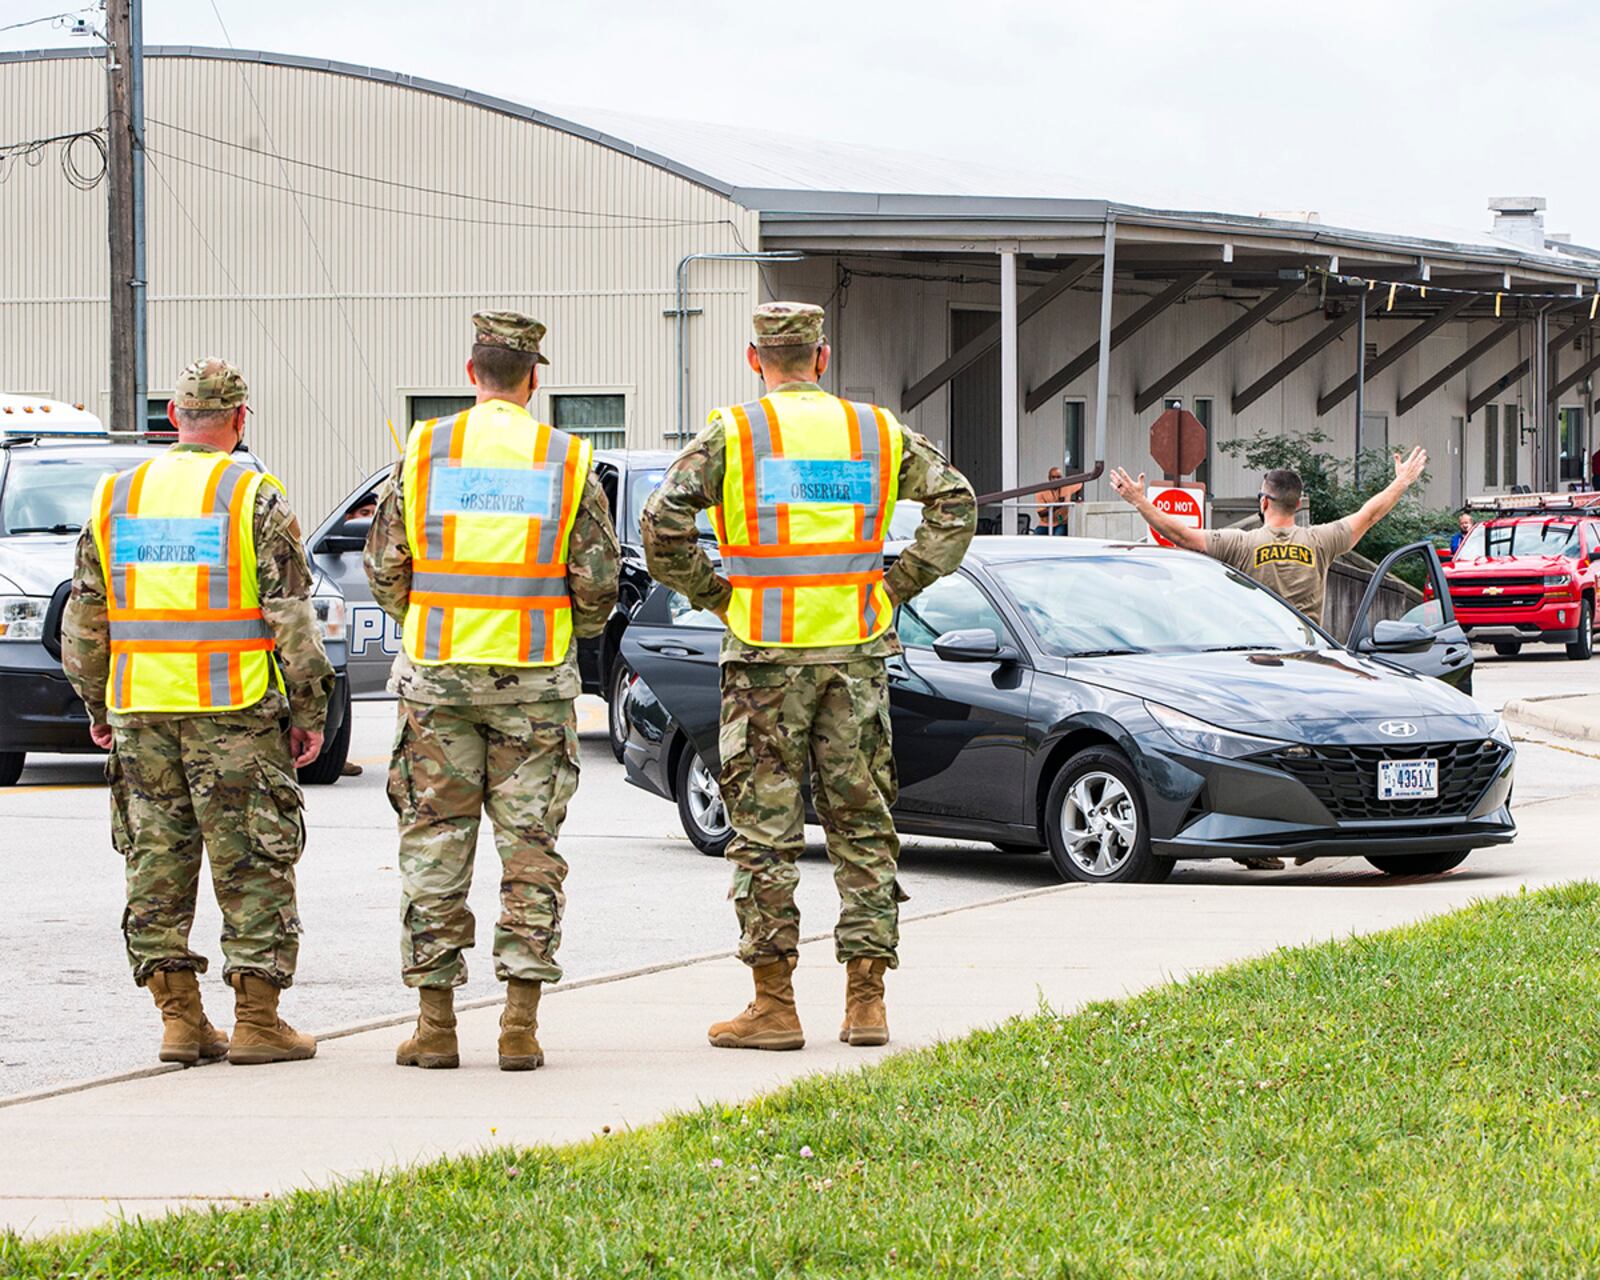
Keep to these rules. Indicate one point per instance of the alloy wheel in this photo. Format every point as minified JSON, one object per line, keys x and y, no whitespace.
{"x":705,"y":800}
{"x":1099,"y":824}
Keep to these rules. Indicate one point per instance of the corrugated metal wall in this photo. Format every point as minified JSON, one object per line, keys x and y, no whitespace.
{"x":889,"y":332}
{"x":336,"y":326}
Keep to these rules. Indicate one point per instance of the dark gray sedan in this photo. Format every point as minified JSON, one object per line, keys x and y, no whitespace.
{"x":1124,"y":706}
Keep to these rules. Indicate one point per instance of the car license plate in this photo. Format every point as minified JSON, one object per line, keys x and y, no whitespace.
{"x":1408,"y":779}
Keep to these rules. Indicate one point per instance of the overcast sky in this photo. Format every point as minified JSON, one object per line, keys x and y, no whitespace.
{"x":1402,"y":110}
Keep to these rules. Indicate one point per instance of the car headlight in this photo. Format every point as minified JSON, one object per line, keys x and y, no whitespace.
{"x":22,"y":617}
{"x":331,"y":614}
{"x":1556,"y":579}
{"x":1208,"y":739}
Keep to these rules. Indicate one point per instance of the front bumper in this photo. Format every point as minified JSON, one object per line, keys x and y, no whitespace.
{"x":1324,"y":805}
{"x":40,"y":711}
{"x":1548,"y":622}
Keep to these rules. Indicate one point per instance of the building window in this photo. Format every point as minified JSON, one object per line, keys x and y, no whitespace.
{"x":426,"y":408}
{"x":155,"y":417}
{"x":1072,"y":413}
{"x":1205,"y":410}
{"x":1511,"y":417}
{"x":1573,"y":444}
{"x":600,"y":419}
{"x":1491,"y":446}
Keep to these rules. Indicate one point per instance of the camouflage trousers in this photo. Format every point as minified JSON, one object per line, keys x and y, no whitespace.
{"x":776,"y":721}
{"x":452,"y":763}
{"x":227,"y":783}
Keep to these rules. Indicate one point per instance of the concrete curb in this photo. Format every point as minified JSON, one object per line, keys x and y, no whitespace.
{"x":1570,"y":715}
{"x":485,"y":1002}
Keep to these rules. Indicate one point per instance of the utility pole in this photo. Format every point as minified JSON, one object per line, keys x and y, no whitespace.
{"x":125,"y":224}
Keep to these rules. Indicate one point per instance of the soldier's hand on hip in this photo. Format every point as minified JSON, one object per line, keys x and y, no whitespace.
{"x":101,"y":735}
{"x":305,"y":745}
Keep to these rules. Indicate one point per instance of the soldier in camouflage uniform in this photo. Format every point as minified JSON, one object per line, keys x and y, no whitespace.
{"x":789,"y":709}
{"x":221,"y":780}
{"x":475,"y":738}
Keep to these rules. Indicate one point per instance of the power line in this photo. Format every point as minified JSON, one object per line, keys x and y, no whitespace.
{"x":423,"y":213}
{"x":412,"y":186}
{"x":49,"y":17}
{"x":77,"y":175}
{"x":256,"y":316}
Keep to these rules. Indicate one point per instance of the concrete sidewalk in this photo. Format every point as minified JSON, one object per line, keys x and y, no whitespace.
{"x":629,"y":1051}
{"x":1572,"y":715}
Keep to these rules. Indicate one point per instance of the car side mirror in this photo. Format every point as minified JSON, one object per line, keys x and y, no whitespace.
{"x":977,"y":645}
{"x":347,"y":535}
{"x":1394,"y":636}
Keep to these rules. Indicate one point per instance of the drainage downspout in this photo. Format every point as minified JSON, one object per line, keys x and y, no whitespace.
{"x":681,"y":315}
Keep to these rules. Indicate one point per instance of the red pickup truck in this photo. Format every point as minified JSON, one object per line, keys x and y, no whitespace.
{"x":1528,"y":575}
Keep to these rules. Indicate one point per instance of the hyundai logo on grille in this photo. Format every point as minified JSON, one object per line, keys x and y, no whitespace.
{"x":1398,"y":728}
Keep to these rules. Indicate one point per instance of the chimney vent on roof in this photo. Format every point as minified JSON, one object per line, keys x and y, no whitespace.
{"x":1520,"y":218}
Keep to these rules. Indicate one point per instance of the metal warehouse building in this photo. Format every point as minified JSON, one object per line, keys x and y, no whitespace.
{"x":330,"y":228}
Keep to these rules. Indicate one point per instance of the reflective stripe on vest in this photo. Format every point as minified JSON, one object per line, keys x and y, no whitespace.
{"x":490,"y":499}
{"x":176,"y":537}
{"x":809,"y":487}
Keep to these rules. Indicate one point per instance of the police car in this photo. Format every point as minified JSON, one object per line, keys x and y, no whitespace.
{"x":628,"y":477}
{"x":52,"y":455}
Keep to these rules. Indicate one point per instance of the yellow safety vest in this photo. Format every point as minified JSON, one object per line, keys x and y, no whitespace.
{"x":809,"y":488}
{"x":177,"y":546}
{"x":490,"y":499}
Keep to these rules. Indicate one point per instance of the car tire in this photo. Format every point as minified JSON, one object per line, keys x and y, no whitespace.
{"x":1582,"y":649}
{"x":1097,"y":795}
{"x":11,"y":763}
{"x":700,"y":807}
{"x":328,"y":768}
{"x":1508,"y":648}
{"x":1422,"y":864}
{"x":617,"y":707}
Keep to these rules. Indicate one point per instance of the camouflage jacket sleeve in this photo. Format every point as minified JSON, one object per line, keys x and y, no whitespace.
{"x":949,"y":517}
{"x":284,"y":578}
{"x":85,"y":630}
{"x":387,"y":558}
{"x":594,"y":562}
{"x":672,"y":544}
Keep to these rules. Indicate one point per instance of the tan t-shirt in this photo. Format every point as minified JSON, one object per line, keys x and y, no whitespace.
{"x":1294,"y":562}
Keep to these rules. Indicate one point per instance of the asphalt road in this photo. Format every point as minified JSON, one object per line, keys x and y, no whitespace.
{"x":638,"y":893}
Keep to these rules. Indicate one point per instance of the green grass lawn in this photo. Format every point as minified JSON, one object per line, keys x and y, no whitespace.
{"x":1419,"y":1103}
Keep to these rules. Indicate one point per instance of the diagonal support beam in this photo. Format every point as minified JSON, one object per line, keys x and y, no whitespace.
{"x":1575,"y":377}
{"x":1483,"y":397}
{"x":1090,"y":355}
{"x":1412,"y":339}
{"x":1474,"y":403}
{"x":989,"y":339}
{"x":1411,"y":399}
{"x":1214,"y":346}
{"x":1328,"y":334}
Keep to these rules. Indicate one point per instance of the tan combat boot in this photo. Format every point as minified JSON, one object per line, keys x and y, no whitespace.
{"x":433,"y":1044}
{"x":865,"y":1021}
{"x":259,"y":1034}
{"x":186,"y":1033}
{"x":519,"y":1021}
{"x":769,"y":1021}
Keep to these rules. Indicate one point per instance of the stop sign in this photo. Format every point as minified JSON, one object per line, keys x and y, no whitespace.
{"x":1187,"y":506}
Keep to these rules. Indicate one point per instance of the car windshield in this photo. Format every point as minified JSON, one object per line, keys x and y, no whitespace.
{"x":51,"y":493}
{"x":1521,"y":538}
{"x":1167,"y":603}
{"x":641,"y":484}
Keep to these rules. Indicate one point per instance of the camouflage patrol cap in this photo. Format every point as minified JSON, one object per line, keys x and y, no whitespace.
{"x":787,"y":324}
{"x":210,"y":383}
{"x":509,"y":329}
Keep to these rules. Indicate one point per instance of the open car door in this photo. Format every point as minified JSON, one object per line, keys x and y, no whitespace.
{"x":1406,"y":619}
